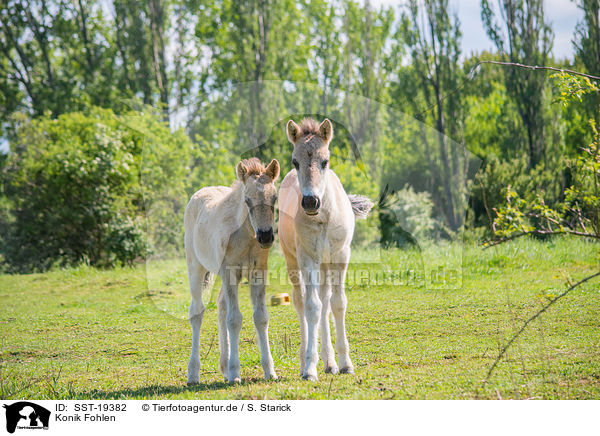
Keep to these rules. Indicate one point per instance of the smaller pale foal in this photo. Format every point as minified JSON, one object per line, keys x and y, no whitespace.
{"x":228,"y":231}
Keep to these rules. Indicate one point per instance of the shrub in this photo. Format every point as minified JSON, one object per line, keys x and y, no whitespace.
{"x":406,"y":218}
{"x":489,"y":187}
{"x":74,"y":192}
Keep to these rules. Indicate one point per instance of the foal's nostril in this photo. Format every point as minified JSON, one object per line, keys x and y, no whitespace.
{"x":311,"y":202}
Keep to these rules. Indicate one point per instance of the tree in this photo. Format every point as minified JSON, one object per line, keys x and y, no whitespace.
{"x":189,"y":72}
{"x":57,"y":56}
{"x":526,"y":39}
{"x":587,"y":47}
{"x":366,"y":70}
{"x":140,"y":41}
{"x":325,"y":52}
{"x":252,"y":41}
{"x":435,"y":50}
{"x":61,"y":56}
{"x":27,"y":32}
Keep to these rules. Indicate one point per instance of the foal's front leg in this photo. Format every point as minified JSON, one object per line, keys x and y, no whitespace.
{"x":327,"y":353}
{"x":261,"y":320}
{"x":234,"y":324}
{"x":294,"y":275}
{"x":312,"y":311}
{"x":197,"y":275}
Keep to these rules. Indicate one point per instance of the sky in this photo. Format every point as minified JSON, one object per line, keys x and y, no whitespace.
{"x":563,"y":16}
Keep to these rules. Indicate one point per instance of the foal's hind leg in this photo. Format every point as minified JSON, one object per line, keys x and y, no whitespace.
{"x":261,"y":322}
{"x":198,"y":277}
{"x":339,"y":302}
{"x":223,"y":334}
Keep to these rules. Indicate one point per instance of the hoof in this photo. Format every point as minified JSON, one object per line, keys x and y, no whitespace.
{"x":347,"y":370}
{"x":193,"y":383}
{"x":236,"y":381}
{"x":332,"y":370}
{"x":309,"y":377}
{"x":272,"y":377}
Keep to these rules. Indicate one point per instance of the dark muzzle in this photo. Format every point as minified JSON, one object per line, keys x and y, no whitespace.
{"x":311,"y":204}
{"x":265,"y":237}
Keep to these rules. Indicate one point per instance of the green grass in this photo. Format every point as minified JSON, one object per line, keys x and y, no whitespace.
{"x":87,"y":333}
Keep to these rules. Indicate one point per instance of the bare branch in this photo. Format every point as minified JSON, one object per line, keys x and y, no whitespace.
{"x":532,"y":318}
{"x":534,"y":67}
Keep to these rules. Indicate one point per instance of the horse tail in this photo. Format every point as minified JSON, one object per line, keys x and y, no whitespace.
{"x":361,"y":205}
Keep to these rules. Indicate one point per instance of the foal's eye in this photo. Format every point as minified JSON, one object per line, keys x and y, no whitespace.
{"x":324,"y":164}
{"x":296,"y":165}
{"x":247,"y":200}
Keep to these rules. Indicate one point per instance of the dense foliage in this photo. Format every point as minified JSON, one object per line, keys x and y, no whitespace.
{"x":74,"y":191}
{"x":418,"y":124}
{"x":579,"y":212}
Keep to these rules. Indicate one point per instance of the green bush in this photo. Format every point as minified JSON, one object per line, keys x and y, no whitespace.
{"x":407,"y":218}
{"x":73,"y":189}
{"x":489,"y":187}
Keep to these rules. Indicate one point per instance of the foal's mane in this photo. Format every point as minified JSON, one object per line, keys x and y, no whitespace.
{"x":254,"y":166}
{"x":309,"y":134}
{"x":309,"y":126}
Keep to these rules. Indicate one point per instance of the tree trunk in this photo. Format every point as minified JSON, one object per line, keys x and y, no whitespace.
{"x":158,"y":51}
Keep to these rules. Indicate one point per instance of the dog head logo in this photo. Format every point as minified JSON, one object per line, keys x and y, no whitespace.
{"x":26,"y":415}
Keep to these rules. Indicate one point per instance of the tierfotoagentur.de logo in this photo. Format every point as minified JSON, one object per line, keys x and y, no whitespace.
{"x":26,"y":415}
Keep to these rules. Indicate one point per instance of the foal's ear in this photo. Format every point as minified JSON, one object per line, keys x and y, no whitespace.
{"x":326,"y":130}
{"x":241,"y":171}
{"x":273,"y":170}
{"x":293,"y":131}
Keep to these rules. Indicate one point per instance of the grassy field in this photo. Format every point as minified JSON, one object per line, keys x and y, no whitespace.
{"x":87,"y":333}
